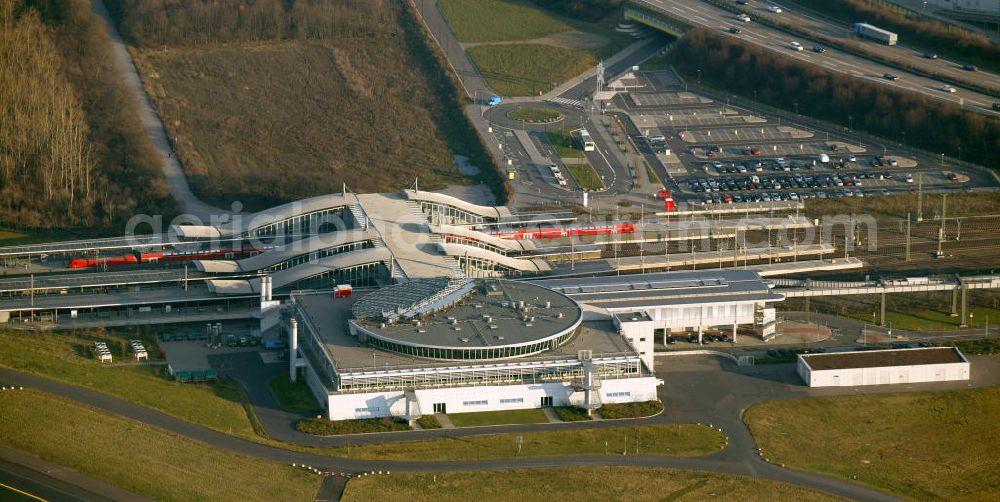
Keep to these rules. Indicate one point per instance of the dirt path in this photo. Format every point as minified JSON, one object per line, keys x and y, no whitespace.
{"x":151,"y":122}
{"x":569,"y":40}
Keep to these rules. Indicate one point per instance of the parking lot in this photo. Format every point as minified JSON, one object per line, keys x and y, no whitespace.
{"x":752,"y":134}
{"x":667,"y":99}
{"x":765,"y":182}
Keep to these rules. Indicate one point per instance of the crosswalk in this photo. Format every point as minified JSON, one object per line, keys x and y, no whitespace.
{"x":576,"y":103}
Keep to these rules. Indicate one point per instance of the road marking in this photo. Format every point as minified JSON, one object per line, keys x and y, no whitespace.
{"x":26,"y":494}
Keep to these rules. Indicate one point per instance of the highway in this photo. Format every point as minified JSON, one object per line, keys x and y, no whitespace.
{"x":822,"y":25}
{"x":700,"y":13}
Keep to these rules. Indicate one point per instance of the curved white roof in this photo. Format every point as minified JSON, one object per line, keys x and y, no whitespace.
{"x":440,"y":198}
{"x":466,"y":232}
{"x":520,"y":264}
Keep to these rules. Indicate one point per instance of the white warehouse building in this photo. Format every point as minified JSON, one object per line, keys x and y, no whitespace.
{"x":881,"y":367}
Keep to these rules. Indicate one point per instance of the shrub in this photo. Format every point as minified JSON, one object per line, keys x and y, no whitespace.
{"x":429,"y":422}
{"x":630,"y":410}
{"x":571,"y":414}
{"x":323,"y":427}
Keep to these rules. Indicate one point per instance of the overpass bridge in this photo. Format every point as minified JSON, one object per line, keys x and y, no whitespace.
{"x":958,"y":285}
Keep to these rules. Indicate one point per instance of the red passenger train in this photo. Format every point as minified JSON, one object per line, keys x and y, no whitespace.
{"x":139,"y":257}
{"x":555,"y":233}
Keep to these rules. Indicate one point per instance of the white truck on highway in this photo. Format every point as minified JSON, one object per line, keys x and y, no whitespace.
{"x":875,"y":33}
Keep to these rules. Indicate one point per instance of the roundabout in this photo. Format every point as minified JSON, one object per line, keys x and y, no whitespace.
{"x":535,"y":115}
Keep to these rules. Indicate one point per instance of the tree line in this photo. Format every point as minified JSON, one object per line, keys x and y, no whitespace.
{"x":69,"y":156}
{"x":751,"y":71}
{"x":913,"y":30}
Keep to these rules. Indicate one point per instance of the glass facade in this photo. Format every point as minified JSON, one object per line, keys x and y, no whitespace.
{"x":443,"y":214}
{"x":316,"y":222}
{"x":463,"y":354}
{"x":323,"y":253}
{"x":367,"y":275}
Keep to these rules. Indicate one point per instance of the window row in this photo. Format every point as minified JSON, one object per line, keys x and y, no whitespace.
{"x":469,"y":354}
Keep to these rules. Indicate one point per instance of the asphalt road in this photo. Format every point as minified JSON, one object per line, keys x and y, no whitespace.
{"x":703,"y":14}
{"x":19,"y":483}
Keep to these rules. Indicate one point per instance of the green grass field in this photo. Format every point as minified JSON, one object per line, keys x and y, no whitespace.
{"x":586,"y":176}
{"x":959,"y":204}
{"x":141,"y":458}
{"x":535,"y":115}
{"x":577,"y":483}
{"x":921,"y":446}
{"x":501,"y":20}
{"x":65,"y":357}
{"x":528,"y":69}
{"x":683,"y":441}
{"x":530,"y":416}
{"x":294,"y":397}
{"x":562,"y":142}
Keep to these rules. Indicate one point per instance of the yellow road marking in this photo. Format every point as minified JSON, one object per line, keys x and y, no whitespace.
{"x":26,"y":494}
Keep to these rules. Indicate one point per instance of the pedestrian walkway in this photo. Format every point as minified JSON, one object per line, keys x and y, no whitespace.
{"x":576,"y":103}
{"x":551,"y":415}
{"x":444,"y":421}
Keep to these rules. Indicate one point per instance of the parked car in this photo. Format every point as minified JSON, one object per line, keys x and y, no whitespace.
{"x":970,"y":67}
{"x":819,"y":50}
{"x":275,"y":344}
{"x":930,"y":55}
{"x":947,"y":88}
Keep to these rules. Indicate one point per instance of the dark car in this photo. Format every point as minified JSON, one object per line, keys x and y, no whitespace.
{"x":772,"y":353}
{"x":671,"y":340}
{"x":735,"y":30}
{"x":970,"y":67}
{"x":819,"y":50}
{"x":890,"y":76}
{"x":930,"y":55}
{"x":996,"y":107}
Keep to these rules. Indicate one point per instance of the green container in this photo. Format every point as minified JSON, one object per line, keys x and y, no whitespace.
{"x":211,"y":375}
{"x":183,"y":376}
{"x":230,"y":340}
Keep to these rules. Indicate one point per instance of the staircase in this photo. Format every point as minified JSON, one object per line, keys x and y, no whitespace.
{"x":433,"y":238}
{"x":360,"y":218}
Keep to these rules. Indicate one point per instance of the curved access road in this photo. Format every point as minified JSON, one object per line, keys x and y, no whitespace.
{"x":176,"y":180}
{"x":740,"y":457}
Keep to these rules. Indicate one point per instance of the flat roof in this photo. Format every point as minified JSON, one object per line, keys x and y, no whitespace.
{"x":637,"y":316}
{"x":879,"y":358}
{"x":406,"y":234}
{"x":668,"y":288}
{"x":329,"y":316}
{"x":488,"y":316}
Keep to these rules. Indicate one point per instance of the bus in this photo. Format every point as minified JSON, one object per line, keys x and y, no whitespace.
{"x":586,"y":142}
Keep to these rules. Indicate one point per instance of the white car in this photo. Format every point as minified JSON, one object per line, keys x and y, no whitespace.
{"x":795,"y":46}
{"x":946,"y":88}
{"x":743,"y":17}
{"x":909,"y":178}
{"x":775,"y":9}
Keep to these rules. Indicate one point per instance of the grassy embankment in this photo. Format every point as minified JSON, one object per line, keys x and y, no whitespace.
{"x":525,"y":50}
{"x":294,"y":397}
{"x":921,"y":446}
{"x":316,"y":94}
{"x":141,"y":458}
{"x":577,"y":483}
{"x":67,"y":358}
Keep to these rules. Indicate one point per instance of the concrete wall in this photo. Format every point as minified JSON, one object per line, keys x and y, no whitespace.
{"x":884,"y":375}
{"x":486,"y":398}
{"x":639,"y":335}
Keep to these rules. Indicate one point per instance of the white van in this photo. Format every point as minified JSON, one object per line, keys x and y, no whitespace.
{"x":824,"y":158}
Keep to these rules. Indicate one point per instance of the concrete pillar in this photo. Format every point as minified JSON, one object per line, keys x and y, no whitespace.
{"x":965,"y":308}
{"x":699,"y":335}
{"x":881,"y":315}
{"x":954,"y":302}
{"x":293,"y":349}
{"x":735,"y":328}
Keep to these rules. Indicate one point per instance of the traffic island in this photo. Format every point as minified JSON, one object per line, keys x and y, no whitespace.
{"x":535,"y":115}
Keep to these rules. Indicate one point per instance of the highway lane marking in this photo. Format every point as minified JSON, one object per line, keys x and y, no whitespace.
{"x":26,"y":494}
